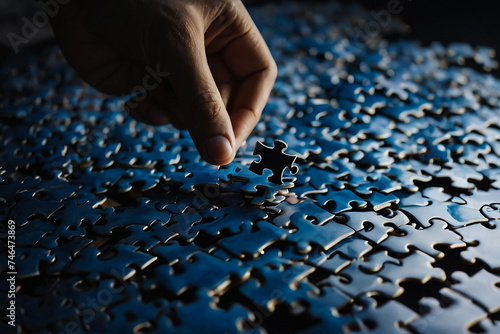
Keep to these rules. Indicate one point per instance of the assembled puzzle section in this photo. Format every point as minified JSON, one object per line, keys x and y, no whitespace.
{"x":390,"y":225}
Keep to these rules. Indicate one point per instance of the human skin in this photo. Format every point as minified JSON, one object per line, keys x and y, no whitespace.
{"x":216,"y":69}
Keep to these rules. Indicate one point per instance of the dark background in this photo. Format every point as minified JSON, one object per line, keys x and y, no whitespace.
{"x":473,"y":22}
{"x":469,"y":21}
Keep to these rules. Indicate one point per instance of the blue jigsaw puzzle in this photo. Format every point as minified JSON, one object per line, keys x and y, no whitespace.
{"x":391,"y":225}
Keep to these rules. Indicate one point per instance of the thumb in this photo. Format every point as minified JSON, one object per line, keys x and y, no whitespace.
{"x":202,"y":109}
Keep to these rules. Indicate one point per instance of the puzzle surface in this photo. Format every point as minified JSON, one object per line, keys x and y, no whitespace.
{"x":381,"y":216}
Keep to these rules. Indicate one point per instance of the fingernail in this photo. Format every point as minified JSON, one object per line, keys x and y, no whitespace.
{"x":219,"y":149}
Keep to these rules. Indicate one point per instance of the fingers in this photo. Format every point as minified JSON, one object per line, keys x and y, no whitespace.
{"x":203,"y":110}
{"x":157,"y":106}
{"x":249,"y":58}
{"x":204,"y":113}
{"x":239,"y":74}
{"x":147,"y":112}
{"x":223,"y":78}
{"x":250,"y":101}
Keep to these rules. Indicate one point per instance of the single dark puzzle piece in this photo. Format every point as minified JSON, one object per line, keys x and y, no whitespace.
{"x":274,"y":159}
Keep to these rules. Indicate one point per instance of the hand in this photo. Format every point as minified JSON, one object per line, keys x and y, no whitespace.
{"x":215,"y":70}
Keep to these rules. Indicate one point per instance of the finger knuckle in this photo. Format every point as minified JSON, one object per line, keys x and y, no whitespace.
{"x":228,"y":3}
{"x":272,"y":70}
{"x":256,"y":113}
{"x":208,"y":106}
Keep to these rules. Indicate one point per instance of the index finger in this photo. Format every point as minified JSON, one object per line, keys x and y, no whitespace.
{"x":250,"y":60}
